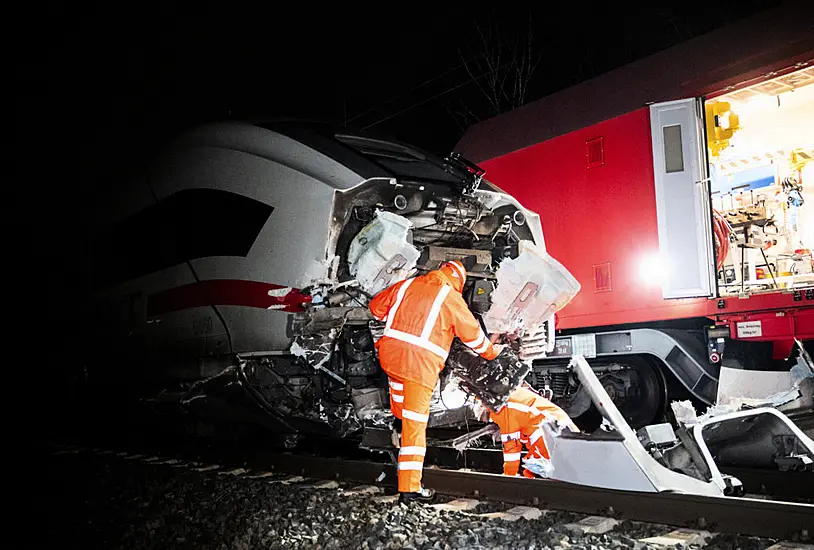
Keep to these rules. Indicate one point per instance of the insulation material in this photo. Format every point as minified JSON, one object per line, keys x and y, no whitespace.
{"x":490,"y":381}
{"x":380,"y":254}
{"x":530,"y":289}
{"x":684,"y":412}
{"x":539,"y":466}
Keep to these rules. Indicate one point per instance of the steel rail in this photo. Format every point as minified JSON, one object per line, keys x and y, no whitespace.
{"x":745,"y":516}
{"x":720,"y":514}
{"x":774,"y":483}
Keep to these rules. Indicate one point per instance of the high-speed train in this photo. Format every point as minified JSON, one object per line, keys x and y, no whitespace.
{"x":232,"y":272}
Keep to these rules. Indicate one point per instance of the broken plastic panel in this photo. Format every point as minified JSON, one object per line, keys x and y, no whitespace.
{"x":380,"y":254}
{"x":612,"y":459}
{"x":530,"y":288}
{"x":490,"y":381}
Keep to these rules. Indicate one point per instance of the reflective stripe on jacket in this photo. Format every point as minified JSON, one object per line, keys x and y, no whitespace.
{"x":519,"y":422}
{"x":422,"y":315}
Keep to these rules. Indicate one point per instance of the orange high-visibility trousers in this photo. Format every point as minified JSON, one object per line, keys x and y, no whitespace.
{"x":513,"y":451}
{"x":422,"y":315}
{"x":410,"y":402}
{"x":520,"y":424}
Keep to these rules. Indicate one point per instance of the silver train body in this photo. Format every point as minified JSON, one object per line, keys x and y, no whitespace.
{"x":215,"y":252}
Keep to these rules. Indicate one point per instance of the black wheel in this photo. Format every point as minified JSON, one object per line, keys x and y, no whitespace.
{"x":638,"y":391}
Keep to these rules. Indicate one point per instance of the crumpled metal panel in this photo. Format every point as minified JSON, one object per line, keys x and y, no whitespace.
{"x":755,"y":438}
{"x":615,"y":459}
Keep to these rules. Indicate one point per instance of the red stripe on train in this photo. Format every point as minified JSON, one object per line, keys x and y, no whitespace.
{"x":227,"y":292}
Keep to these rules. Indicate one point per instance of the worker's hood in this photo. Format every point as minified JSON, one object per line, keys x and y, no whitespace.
{"x":446,"y":278}
{"x":455,"y":273}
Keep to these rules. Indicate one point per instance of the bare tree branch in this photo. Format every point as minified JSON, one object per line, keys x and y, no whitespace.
{"x":502,"y":73}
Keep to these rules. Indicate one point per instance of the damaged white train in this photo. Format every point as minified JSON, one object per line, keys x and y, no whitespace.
{"x":233,"y":274}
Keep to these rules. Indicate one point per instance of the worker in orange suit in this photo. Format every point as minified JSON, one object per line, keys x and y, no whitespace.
{"x":519,"y":421}
{"x":422,"y":316}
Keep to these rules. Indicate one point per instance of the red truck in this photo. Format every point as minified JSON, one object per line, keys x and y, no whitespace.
{"x":678,"y":191}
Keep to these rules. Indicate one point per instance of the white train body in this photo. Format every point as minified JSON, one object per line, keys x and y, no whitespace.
{"x":295,"y":245}
{"x":203,"y":257}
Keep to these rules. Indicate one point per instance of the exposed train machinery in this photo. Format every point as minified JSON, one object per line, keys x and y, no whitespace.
{"x":233,"y":277}
{"x":241,"y":262}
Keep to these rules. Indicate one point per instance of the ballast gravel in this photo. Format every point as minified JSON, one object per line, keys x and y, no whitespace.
{"x":91,"y":500}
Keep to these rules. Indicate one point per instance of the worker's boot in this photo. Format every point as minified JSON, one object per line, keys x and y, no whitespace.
{"x":424,"y":495}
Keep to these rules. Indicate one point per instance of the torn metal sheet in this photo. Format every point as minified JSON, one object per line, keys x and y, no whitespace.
{"x":785,"y":390}
{"x":738,"y":386}
{"x":614,"y":459}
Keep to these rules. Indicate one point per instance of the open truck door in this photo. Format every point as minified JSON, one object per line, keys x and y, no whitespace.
{"x":682,"y":199}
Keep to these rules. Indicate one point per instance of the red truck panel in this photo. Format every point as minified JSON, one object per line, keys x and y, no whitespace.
{"x":600,"y":223}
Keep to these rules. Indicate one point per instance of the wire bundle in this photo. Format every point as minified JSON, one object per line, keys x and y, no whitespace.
{"x":722,"y":232}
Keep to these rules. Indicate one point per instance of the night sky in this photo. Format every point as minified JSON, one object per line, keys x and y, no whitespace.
{"x":99,"y":88}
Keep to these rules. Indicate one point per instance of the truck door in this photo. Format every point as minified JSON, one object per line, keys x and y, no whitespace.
{"x":682,"y":199}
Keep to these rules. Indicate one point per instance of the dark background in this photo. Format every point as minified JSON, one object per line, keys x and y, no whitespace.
{"x":99,"y":87}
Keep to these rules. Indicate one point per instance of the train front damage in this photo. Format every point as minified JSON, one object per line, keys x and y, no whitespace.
{"x":385,"y":230}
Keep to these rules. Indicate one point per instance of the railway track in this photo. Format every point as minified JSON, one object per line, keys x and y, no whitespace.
{"x":742,"y":516}
{"x":756,"y":482}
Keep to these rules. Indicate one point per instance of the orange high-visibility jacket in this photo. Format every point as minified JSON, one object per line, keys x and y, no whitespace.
{"x":519,"y":422}
{"x":423,"y":315}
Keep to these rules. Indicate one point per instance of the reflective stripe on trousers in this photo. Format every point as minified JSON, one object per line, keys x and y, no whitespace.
{"x":411,"y":403}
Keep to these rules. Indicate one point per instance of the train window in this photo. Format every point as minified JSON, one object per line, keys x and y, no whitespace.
{"x":673,"y":150}
{"x":187,"y":225}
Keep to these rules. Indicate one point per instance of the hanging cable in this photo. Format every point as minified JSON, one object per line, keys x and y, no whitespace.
{"x":722,"y":233}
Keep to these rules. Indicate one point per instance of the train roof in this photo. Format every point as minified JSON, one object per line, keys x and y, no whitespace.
{"x":369,"y":156}
{"x":745,"y":51}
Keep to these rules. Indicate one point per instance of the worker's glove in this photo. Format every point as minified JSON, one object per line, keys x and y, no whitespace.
{"x":499,"y":348}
